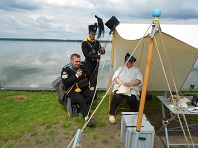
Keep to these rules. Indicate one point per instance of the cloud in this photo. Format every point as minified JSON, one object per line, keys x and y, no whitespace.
{"x":19,"y":5}
{"x":66,"y":19}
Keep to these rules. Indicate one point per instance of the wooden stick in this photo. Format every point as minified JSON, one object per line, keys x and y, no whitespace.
{"x":111,"y":69}
{"x":145,"y":84}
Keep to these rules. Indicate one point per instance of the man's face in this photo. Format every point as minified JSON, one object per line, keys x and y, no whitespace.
{"x":75,"y":62}
{"x":129,"y":64}
{"x":92,"y":36}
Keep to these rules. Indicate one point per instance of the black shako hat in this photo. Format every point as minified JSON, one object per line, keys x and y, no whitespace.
{"x":99,"y":25}
{"x":112,"y":23}
{"x":132,"y":59}
{"x":92,"y":28}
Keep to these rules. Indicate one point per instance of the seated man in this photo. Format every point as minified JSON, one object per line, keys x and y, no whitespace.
{"x":128,"y":76}
{"x":76,"y":79}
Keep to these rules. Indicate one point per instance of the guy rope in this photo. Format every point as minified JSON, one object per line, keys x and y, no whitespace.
{"x":155,"y":27}
{"x":77,"y":137}
{"x":174,"y":102}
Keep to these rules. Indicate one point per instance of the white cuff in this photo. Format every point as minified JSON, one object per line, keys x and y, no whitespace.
{"x":77,"y":76}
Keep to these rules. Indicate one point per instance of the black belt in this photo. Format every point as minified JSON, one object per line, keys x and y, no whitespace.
{"x":90,"y":60}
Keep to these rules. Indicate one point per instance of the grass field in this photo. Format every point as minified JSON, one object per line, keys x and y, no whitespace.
{"x":26,"y":114}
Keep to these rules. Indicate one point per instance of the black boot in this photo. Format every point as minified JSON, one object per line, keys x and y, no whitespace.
{"x":91,"y":121}
{"x":96,"y":97}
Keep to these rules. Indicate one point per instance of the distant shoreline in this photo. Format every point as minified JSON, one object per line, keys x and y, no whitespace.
{"x":46,"y":40}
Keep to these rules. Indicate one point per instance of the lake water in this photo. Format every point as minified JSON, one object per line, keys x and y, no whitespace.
{"x":38,"y":63}
{"x":35,"y":64}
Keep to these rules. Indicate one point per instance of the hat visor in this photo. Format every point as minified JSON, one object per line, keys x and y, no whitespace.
{"x":131,"y":59}
{"x":93,"y":32}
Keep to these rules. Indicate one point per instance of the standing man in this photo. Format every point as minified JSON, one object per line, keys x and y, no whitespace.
{"x":76,"y":79}
{"x":92,"y":50}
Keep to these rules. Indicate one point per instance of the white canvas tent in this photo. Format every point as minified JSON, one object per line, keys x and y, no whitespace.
{"x":180,"y":44}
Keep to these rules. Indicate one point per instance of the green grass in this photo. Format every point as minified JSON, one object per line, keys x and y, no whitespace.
{"x":22,"y":112}
{"x":33,"y":113}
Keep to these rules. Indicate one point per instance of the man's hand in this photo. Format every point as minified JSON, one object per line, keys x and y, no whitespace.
{"x":91,"y":88}
{"x":102,"y":50}
{"x":79,"y":72}
{"x":127,"y":84}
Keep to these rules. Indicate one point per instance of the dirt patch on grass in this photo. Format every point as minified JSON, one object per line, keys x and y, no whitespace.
{"x":20,"y":98}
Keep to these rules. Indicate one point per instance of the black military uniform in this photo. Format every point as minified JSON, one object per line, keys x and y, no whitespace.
{"x":77,"y":88}
{"x":91,"y":50}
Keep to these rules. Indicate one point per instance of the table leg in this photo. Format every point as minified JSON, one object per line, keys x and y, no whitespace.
{"x":165,"y":127}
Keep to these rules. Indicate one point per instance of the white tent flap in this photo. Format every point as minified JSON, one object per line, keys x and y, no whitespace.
{"x":180,"y":46}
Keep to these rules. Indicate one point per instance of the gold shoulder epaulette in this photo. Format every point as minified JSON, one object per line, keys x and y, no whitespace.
{"x":84,"y":40}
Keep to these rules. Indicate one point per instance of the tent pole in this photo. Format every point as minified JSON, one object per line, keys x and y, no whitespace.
{"x":145,"y":84}
{"x":110,"y":91}
{"x":146,"y":80}
{"x":111,"y":70}
{"x":144,"y":90}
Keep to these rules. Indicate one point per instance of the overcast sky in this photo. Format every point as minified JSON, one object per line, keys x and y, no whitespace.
{"x":69,"y":19}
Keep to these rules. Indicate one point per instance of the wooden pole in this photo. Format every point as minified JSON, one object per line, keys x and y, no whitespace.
{"x":111,"y":69}
{"x":110,"y":91}
{"x":145,"y":84}
{"x":155,"y":26}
